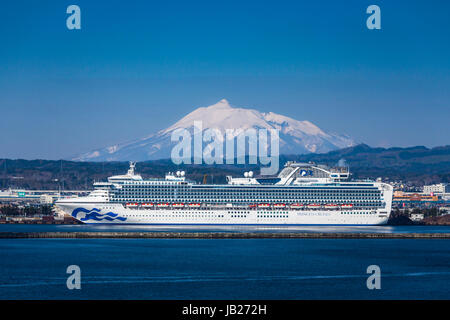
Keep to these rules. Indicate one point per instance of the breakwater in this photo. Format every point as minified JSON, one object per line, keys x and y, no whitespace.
{"x":219,"y":235}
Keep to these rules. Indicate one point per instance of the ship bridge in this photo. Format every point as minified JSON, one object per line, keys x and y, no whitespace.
{"x":295,"y":173}
{"x":130,"y":176}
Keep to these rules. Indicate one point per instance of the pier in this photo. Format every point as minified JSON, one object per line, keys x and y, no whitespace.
{"x":218,"y":235}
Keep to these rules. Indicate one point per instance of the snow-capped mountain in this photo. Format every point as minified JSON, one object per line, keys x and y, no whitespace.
{"x":296,"y":137}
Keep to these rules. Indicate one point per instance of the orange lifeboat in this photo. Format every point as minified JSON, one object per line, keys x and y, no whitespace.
{"x":162,"y":205}
{"x":132,"y":205}
{"x":147,"y":205}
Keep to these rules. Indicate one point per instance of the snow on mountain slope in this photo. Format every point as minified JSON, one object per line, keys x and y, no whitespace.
{"x":296,"y":137}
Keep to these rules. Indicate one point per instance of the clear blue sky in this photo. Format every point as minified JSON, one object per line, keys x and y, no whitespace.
{"x":138,"y":66}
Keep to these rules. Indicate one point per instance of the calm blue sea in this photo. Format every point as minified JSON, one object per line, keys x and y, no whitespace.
{"x":217,"y":228}
{"x":224,"y":268}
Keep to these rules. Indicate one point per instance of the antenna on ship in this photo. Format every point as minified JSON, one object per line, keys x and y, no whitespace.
{"x":61,"y":175}
{"x":5,"y":175}
{"x":131,"y":170}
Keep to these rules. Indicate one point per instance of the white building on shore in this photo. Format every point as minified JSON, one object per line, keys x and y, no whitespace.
{"x":437,"y":188}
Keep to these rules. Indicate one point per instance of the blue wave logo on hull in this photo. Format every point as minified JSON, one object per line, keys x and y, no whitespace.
{"x":95,"y":215}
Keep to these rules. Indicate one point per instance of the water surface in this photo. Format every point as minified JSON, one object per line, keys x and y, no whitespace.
{"x":224,"y":268}
{"x":217,"y":228}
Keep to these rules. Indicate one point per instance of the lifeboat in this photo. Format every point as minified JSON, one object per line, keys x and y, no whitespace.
{"x":194,"y":205}
{"x":162,"y":205}
{"x":331,"y":206}
{"x":252,"y":206}
{"x":147,"y":205}
{"x":279,"y":205}
{"x":314,"y":206}
{"x":263,"y":205}
{"x":178,"y":205}
{"x":132,"y":205}
{"x":296,"y":205}
{"x":346,"y":205}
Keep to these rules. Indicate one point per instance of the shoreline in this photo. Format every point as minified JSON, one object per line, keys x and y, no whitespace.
{"x":218,"y":235}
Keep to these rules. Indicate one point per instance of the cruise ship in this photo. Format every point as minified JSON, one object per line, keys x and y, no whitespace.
{"x":301,"y":194}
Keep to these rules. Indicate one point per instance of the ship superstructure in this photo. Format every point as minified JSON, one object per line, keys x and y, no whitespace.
{"x":302,"y":193}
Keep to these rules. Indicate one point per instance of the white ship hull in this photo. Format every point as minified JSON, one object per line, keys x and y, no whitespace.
{"x":302,"y":194}
{"x":118,"y":214}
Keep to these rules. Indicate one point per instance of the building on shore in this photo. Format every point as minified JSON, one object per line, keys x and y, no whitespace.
{"x":418,"y":200}
{"x":439,"y":188}
{"x":413,"y":196}
{"x":38,"y":196}
{"x":416,"y":216}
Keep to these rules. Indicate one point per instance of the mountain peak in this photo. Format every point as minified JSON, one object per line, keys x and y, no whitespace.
{"x":295,"y":137}
{"x":222,"y":104}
